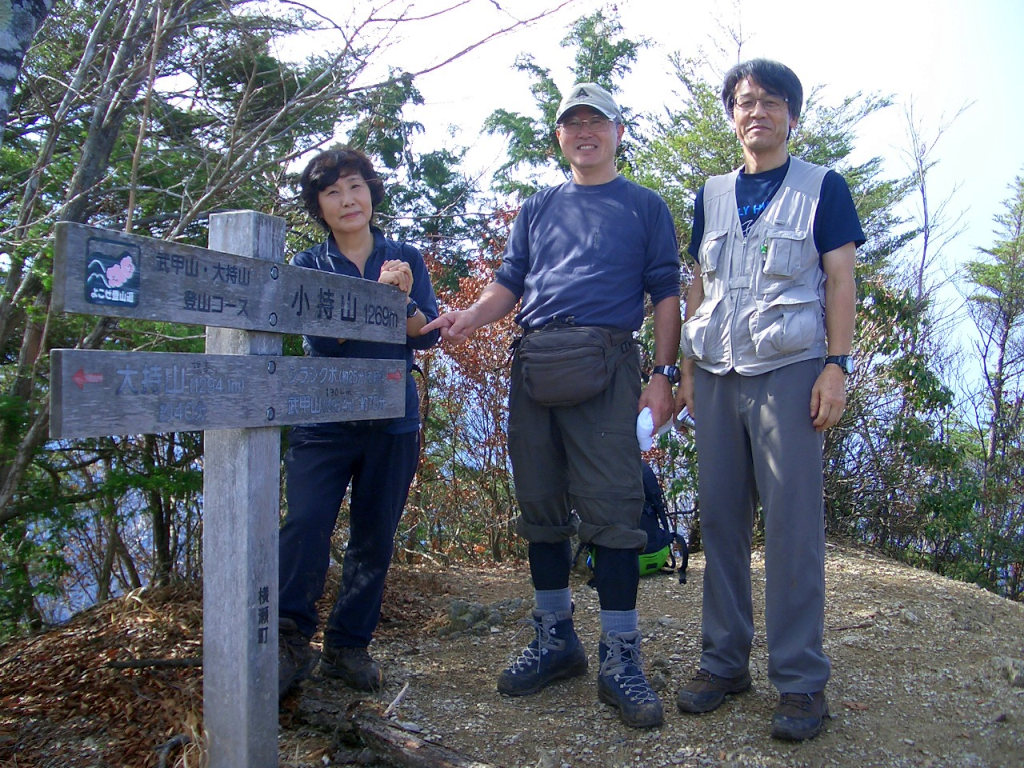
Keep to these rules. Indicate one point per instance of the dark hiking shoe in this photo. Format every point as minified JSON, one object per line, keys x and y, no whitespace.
{"x":353,"y":666}
{"x":554,"y":654}
{"x":799,"y":716}
{"x":295,"y":659}
{"x":622,"y":684}
{"x":706,"y":691}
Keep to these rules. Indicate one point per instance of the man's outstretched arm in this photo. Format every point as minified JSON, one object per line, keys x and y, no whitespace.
{"x":494,"y":302}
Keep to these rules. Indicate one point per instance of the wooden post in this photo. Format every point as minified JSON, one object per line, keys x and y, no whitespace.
{"x":241,"y":508}
{"x":240,"y":394}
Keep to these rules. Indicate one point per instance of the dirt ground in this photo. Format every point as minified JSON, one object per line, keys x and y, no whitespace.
{"x":926,"y":672}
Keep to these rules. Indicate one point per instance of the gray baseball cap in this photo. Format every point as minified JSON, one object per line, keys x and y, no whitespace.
{"x":589,"y":95}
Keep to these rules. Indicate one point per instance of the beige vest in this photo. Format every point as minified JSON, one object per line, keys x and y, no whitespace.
{"x":764,"y":294}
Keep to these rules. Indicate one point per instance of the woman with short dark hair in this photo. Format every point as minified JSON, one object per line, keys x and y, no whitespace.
{"x":378,"y":458}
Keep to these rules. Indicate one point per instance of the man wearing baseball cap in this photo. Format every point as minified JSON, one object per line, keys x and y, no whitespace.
{"x":581,"y":256}
{"x":589,"y":95}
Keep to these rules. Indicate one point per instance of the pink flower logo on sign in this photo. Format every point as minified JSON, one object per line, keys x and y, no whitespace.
{"x":120,"y":273}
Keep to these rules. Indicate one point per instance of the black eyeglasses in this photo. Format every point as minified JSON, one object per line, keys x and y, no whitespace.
{"x":770,"y":103}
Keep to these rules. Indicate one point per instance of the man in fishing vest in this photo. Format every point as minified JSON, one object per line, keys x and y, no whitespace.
{"x":769,"y":324}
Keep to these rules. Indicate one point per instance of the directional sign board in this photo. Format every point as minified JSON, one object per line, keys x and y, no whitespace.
{"x":103,"y":272}
{"x":94,"y":392}
{"x":245,"y":301}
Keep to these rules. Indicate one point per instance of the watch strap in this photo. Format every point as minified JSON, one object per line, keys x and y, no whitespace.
{"x":670,"y":371}
{"x":845,"y":362}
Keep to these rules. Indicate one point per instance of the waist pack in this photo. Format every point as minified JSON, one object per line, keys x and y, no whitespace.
{"x":569,"y":364}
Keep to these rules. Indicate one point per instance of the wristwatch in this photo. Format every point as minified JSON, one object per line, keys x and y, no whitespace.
{"x":845,"y":362}
{"x":411,"y":309}
{"x":667,"y":370}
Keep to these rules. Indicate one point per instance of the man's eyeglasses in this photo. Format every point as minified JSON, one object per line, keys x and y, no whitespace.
{"x":770,"y":103}
{"x":576,"y":125}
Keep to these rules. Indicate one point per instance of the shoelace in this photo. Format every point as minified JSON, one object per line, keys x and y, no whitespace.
{"x":802,"y":701}
{"x":623,"y":664}
{"x":635,"y":686}
{"x":704,"y":676}
{"x":540,"y":644}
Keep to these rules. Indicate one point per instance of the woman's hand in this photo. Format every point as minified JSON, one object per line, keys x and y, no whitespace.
{"x":397,"y":273}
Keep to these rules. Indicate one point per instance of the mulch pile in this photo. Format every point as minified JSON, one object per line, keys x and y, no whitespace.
{"x":60,"y":696}
{"x":121,"y":684}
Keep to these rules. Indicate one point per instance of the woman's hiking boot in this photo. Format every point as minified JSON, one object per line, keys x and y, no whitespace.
{"x":353,"y":666}
{"x":295,"y":657}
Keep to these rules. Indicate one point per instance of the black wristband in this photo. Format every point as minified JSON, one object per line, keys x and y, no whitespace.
{"x":667,"y":370}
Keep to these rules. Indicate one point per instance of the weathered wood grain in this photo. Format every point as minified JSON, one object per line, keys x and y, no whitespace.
{"x":98,"y":392}
{"x":102,"y":272}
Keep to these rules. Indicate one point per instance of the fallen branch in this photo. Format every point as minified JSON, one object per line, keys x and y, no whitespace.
{"x":394,"y":704}
{"x":164,"y":750}
{"x":195,"y":661}
{"x":400,"y":747}
{"x":863,"y":625}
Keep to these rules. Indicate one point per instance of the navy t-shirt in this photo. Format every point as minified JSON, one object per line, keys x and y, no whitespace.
{"x":835,"y":221}
{"x":591,"y":252}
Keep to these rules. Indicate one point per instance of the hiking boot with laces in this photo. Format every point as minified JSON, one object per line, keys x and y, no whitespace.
{"x":353,"y":666}
{"x":799,"y":716}
{"x":295,"y":658}
{"x":554,"y":654}
{"x":707,"y":691}
{"x":622,"y":684}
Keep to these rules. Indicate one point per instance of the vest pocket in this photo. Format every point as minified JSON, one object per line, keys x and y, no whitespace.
{"x":711,"y":248}
{"x":785,"y":324}
{"x":703,"y":337}
{"x":782,"y":252}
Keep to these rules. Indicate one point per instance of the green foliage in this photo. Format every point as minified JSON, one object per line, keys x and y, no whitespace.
{"x":428,"y":205}
{"x":30,"y":566}
{"x":602,"y":57}
{"x":380,"y":125}
{"x":894,"y":453}
{"x":217,"y":128}
{"x":996,"y":304}
{"x":690,"y":142}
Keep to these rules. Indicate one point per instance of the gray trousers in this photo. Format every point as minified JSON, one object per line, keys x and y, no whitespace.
{"x":583,"y":457}
{"x":755,"y":440}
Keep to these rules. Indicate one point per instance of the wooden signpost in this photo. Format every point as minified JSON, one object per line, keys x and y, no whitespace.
{"x":102,"y":272}
{"x":119,"y":393}
{"x":239,"y":393}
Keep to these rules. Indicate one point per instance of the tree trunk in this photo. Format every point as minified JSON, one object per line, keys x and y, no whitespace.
{"x":120,"y":84}
{"x":134,"y":582}
{"x":19,"y":22}
{"x":109,"y":554}
{"x":160,"y":519}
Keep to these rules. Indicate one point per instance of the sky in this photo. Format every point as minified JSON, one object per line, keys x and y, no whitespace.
{"x":940,"y":56}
